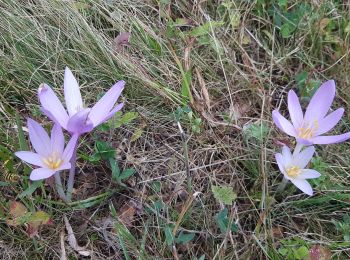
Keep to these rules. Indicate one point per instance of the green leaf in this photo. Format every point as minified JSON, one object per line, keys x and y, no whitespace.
{"x":119,"y":119}
{"x":127,"y":173}
{"x":115,"y":170}
{"x":301,"y":252}
{"x":22,"y":141}
{"x":202,"y":257}
{"x":224,"y":194}
{"x":184,"y":238}
{"x":186,"y":86}
{"x":31,"y":188}
{"x":169,"y":238}
{"x":287,"y":29}
{"x":223,"y":221}
{"x":301,"y":78}
{"x":104,"y":149}
{"x":257,"y":131}
{"x":205,"y":28}
{"x":282,"y":3}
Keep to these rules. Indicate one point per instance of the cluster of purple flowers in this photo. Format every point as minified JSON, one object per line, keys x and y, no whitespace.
{"x":51,"y":155}
{"x":308,"y":129}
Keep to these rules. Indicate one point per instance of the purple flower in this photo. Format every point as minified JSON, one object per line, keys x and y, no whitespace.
{"x":293,"y":167}
{"x":50,"y":156}
{"x":79,"y":119}
{"x":309,"y":128}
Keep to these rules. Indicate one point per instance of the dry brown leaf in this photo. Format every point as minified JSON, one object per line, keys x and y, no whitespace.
{"x":63,"y":249}
{"x":73,"y":241}
{"x":277,"y":232}
{"x":128,"y":211}
{"x":318,"y":252}
{"x":123,"y":39}
{"x":204,"y":90}
{"x":187,"y":61}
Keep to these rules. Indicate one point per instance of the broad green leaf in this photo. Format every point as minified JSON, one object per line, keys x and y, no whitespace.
{"x":184,"y":238}
{"x":205,"y":28}
{"x":224,"y":194}
{"x":223,"y":221}
{"x":169,"y":238}
{"x":115,"y":169}
{"x":104,"y":149}
{"x":126,"y":174}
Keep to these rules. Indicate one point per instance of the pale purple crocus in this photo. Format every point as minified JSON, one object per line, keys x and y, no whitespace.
{"x":293,"y":166}
{"x":50,"y":154}
{"x":309,"y":128}
{"x":80,"y":119}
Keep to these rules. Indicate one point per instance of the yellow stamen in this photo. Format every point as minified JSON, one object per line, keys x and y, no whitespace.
{"x":308,"y":131}
{"x":293,"y":171}
{"x":53,"y":161}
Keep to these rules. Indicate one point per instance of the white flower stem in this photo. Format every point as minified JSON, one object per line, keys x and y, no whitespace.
{"x":59,"y":187}
{"x":70,"y":183}
{"x":297,"y":149}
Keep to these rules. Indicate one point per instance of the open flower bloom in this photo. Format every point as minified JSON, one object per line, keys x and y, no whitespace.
{"x":309,"y":128}
{"x":79,"y":119}
{"x":50,"y":156}
{"x":293,"y":167}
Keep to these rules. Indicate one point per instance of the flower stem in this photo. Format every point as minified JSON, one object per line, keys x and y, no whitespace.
{"x":297,"y":148}
{"x":70,"y":184}
{"x":59,"y":187}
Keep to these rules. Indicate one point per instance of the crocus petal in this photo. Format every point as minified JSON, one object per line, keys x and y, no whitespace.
{"x":320,"y":102}
{"x":30,"y":157}
{"x":303,"y":185}
{"x":309,"y":174}
{"x":283,"y":124}
{"x":331,"y":139}
{"x":39,"y":138}
{"x":295,"y":111}
{"x":57,"y":139}
{"x":68,"y":151}
{"x":101,"y":109}
{"x":304,"y":141}
{"x":304,"y":157}
{"x":112,"y":113}
{"x":41,"y":173}
{"x":64,"y":166}
{"x":287,"y":155}
{"x":280,"y":161}
{"x":80,"y":123}
{"x":329,"y":121}
{"x":52,"y":106}
{"x":72,"y":94}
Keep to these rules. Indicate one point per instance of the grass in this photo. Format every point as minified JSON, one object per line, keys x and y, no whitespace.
{"x":217,"y":67}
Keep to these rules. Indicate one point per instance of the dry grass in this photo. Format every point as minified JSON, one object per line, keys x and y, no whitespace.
{"x":240,"y":70}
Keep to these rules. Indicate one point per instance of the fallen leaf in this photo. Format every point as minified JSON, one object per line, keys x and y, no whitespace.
{"x":73,"y":241}
{"x":187,"y":52}
{"x":18,"y":214}
{"x":277,"y":232}
{"x":17,"y":209}
{"x":205,"y":93}
{"x":128,"y":211}
{"x":36,"y":220}
{"x":63,"y":249}
{"x":318,"y":252}
{"x":123,"y":39}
